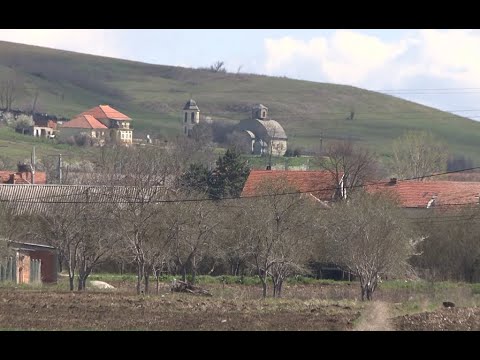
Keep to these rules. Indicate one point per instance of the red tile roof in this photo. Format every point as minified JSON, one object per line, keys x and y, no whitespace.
{"x":52,"y":124}
{"x":321,"y":184}
{"x":84,"y":122}
{"x":418,"y":194}
{"x":22,"y":177}
{"x":106,"y":112}
{"x":5,"y":176}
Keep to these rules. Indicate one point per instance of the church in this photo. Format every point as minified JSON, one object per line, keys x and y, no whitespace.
{"x":261,"y":134}
{"x":264,"y":135}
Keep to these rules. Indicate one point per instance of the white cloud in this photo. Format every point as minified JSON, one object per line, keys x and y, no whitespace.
{"x":91,"y":41}
{"x":353,"y":58}
{"x":345,"y":57}
{"x":419,"y":59}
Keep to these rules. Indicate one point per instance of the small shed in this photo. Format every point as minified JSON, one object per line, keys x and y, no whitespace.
{"x":29,"y":263}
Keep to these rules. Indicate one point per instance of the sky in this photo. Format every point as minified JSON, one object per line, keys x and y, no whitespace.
{"x":438,"y":68}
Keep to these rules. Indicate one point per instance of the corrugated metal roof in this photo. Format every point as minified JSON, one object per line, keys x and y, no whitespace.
{"x":37,"y":198}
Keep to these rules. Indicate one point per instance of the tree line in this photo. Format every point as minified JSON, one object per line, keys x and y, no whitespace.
{"x":182,"y":216}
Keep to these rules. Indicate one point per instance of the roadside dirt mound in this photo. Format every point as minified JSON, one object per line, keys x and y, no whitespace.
{"x":443,"y":319}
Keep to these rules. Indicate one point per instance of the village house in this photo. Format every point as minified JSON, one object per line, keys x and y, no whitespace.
{"x":44,"y":128}
{"x":28,"y":263}
{"x":418,"y":196}
{"x":23,"y":175}
{"x":101,"y":122}
{"x":318,"y":185}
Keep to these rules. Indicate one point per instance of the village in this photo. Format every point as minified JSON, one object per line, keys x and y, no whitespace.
{"x":164,"y":215}
{"x":175,"y":198}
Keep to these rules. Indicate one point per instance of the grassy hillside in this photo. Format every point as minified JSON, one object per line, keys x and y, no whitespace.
{"x":153,"y":95}
{"x":16,"y":147}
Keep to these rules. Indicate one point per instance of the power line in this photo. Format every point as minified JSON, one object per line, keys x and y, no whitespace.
{"x":384,"y":182}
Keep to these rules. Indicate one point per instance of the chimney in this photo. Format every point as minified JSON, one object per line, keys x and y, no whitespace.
{"x":393,"y":181}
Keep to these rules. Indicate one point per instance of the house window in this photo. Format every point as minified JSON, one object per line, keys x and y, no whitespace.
{"x":193,"y":118}
{"x":185,"y":128}
{"x":185,"y":117}
{"x":263,"y":114}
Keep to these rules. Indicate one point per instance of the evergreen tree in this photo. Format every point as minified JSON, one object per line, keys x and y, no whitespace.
{"x":229,"y":176}
{"x":197,"y":178}
{"x":226,"y":180}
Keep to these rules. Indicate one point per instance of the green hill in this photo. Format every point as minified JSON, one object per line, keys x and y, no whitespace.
{"x":153,"y":95}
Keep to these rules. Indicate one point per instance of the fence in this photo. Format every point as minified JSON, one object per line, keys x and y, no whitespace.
{"x":35,"y":271}
{"x":8,"y":270}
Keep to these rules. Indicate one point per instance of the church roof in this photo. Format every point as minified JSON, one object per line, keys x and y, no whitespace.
{"x":263,"y":128}
{"x":274,"y":129}
{"x":191,"y":105}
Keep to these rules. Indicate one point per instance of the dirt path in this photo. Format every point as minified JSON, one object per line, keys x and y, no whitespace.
{"x":375,"y":318}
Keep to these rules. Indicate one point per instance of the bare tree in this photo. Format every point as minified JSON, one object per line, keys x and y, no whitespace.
{"x":8,"y":93}
{"x":193,"y":225}
{"x":451,"y":250}
{"x":418,"y":153}
{"x":99,"y":241}
{"x":369,"y":237}
{"x":280,"y":233}
{"x":239,"y":141}
{"x":218,"y":66}
{"x":146,"y":174}
{"x":234,"y":234}
{"x":82,"y":232}
{"x":60,"y":227}
{"x":355,"y":164}
{"x":9,"y":226}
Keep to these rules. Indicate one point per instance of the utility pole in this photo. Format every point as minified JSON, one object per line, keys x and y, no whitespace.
{"x":59,"y":168}
{"x":321,"y":142}
{"x":33,"y":165}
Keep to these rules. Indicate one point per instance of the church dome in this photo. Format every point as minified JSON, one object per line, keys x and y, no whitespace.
{"x":191,"y":105}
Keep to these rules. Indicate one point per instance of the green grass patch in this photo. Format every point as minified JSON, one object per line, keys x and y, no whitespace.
{"x":475,"y":288}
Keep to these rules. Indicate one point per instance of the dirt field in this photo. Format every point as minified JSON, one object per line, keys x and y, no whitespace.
{"x":232,"y":307}
{"x":113,"y":311}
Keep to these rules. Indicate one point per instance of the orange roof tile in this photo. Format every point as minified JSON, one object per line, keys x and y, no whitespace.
{"x":418,"y":194}
{"x":321,"y":184}
{"x":84,"y":122}
{"x":105,"y":112}
{"x":5,"y":176}
{"x":23,"y":177}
